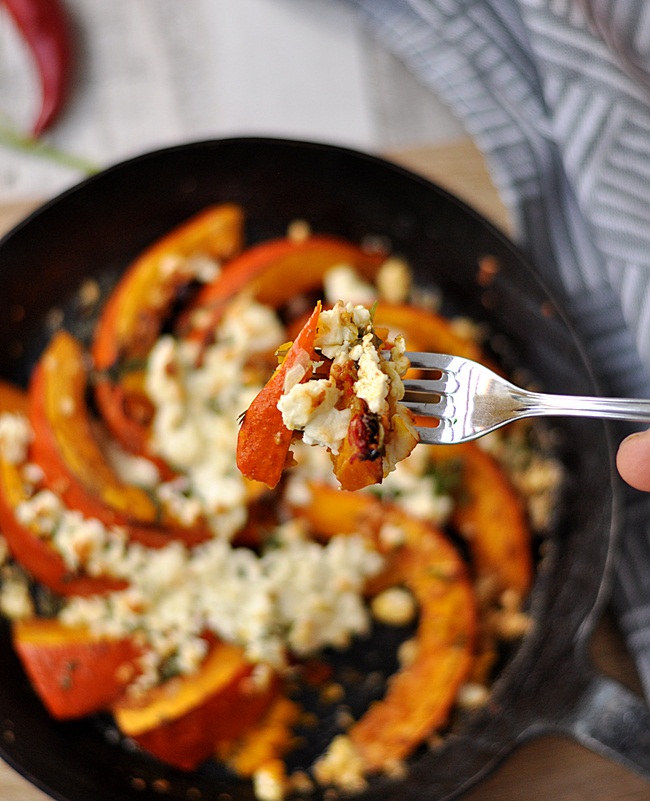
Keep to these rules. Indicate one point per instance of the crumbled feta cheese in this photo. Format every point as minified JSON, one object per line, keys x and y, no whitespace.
{"x":199,"y":266}
{"x":408,"y":651}
{"x":473,"y":696}
{"x":338,"y":328}
{"x":15,"y":600}
{"x":41,"y":512}
{"x":249,"y":327}
{"x":197,"y":405}
{"x":130,"y":468}
{"x":76,"y":536}
{"x":415,"y":487}
{"x":372,"y":383}
{"x":298,"y":230}
{"x":311,"y":408}
{"x":32,"y":473}
{"x":15,"y":437}
{"x":394,"y":606}
{"x":298,"y":596}
{"x":341,"y":765}
{"x":394,"y":280}
{"x":391,"y":536}
{"x":270,"y":782}
{"x":343,"y":281}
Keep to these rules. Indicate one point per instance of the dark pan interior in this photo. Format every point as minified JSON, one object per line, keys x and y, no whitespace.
{"x":96,"y":228}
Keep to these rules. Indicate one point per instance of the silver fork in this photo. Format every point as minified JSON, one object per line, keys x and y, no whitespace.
{"x":470,"y":400}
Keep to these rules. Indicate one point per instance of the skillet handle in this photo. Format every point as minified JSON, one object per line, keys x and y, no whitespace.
{"x":612,"y":721}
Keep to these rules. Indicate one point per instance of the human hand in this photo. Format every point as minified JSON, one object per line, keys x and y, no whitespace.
{"x":633,"y":460}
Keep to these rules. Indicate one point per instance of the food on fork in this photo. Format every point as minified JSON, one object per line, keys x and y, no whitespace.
{"x":337,"y":386}
{"x":239,"y":618}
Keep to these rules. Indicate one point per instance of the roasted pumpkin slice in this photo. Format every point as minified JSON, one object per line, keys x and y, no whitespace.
{"x":263,"y":444}
{"x":427,"y":331}
{"x":13,"y":398}
{"x":75,"y":466}
{"x":266,"y":742}
{"x":421,"y":694}
{"x":489,"y":513}
{"x":127,"y":412}
{"x":74,"y":672}
{"x":131,"y":319}
{"x":183,"y":720}
{"x":35,"y":554}
{"x":359,"y":462}
{"x":133,"y":315}
{"x":274,"y":272}
{"x":331,"y":511}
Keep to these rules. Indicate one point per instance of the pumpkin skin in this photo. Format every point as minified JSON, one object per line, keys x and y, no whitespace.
{"x":74,"y":672}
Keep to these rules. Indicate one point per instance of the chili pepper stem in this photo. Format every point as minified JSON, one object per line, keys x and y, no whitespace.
{"x":37,"y":147}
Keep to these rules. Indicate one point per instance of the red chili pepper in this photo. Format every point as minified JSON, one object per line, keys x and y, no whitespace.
{"x":44,"y":26}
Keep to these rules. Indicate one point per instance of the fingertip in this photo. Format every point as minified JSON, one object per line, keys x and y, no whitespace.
{"x":633,"y":460}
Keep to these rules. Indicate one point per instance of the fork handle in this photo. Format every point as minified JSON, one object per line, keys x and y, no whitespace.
{"x":537,"y":404}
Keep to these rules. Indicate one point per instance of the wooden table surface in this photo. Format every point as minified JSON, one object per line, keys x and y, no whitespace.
{"x":548,"y":769}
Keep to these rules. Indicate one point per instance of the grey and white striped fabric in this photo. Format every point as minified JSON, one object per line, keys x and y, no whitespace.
{"x":557,"y":95}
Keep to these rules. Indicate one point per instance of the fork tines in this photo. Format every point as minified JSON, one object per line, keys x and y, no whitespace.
{"x":429,"y":361}
{"x":432,"y":396}
{"x":443,"y":383}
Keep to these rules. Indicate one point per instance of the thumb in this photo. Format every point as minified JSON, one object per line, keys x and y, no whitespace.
{"x":633,"y":460}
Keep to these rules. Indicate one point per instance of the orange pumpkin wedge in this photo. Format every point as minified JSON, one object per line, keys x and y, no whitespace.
{"x":183,"y":720}
{"x":132,"y":317}
{"x":488,"y":512}
{"x":490,"y":515}
{"x":426,"y":331}
{"x":354,"y":466}
{"x":266,"y":742}
{"x":332,"y":511}
{"x":263,"y":443}
{"x":13,"y":398}
{"x":421,"y":694}
{"x":273,"y":272}
{"x":36,"y":555}
{"x":74,"y":672}
{"x":75,"y":467}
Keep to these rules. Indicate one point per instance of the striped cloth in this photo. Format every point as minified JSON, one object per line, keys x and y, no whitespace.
{"x":556,"y":93}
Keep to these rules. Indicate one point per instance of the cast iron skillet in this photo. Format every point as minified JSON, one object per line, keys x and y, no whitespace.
{"x":97,"y":227}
